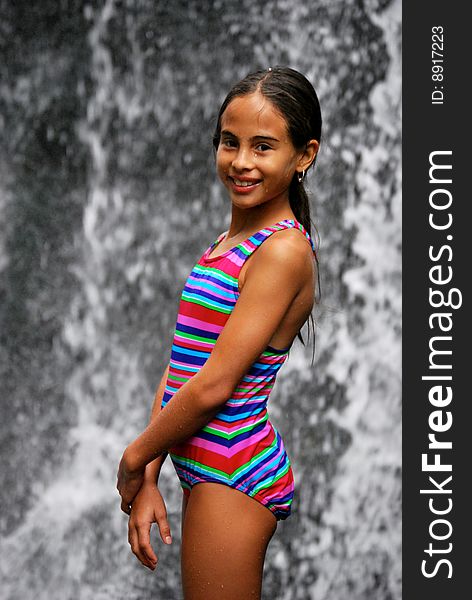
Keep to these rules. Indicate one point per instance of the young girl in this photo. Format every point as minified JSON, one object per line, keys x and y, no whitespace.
{"x":242,"y":306}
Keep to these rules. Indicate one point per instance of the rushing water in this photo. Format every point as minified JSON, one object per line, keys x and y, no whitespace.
{"x":107,"y":197}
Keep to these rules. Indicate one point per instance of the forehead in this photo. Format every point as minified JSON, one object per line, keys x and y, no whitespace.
{"x":252,"y":115}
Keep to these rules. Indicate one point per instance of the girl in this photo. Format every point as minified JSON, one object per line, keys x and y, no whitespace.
{"x":242,"y":306}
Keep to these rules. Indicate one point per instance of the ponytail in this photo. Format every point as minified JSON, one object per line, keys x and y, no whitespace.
{"x":300,"y":205}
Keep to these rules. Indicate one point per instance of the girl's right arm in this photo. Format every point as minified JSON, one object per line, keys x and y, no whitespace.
{"x":148,"y":506}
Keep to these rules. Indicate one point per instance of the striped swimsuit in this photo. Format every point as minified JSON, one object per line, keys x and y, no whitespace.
{"x":239,"y":447}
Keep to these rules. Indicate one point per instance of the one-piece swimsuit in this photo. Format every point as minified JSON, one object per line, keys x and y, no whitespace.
{"x":239,"y":447}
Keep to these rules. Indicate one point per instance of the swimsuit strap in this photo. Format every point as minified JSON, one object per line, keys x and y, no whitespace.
{"x":263,"y":234}
{"x":244,"y":249}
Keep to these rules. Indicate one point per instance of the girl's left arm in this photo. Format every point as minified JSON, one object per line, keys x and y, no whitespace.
{"x":275,"y":276}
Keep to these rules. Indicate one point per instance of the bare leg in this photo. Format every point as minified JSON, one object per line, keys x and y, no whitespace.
{"x":184,"y":508}
{"x":224,"y":543}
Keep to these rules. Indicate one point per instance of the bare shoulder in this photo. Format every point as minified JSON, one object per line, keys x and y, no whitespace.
{"x":287,"y":251}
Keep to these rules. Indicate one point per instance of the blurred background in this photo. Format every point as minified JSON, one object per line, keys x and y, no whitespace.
{"x":108,"y":196}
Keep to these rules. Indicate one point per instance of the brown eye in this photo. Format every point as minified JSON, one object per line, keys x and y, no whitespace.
{"x":228,"y":143}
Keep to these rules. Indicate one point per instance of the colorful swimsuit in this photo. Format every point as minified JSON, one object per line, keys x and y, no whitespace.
{"x":239,"y":447}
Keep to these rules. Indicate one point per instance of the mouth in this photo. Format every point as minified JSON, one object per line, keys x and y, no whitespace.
{"x":245,"y":185}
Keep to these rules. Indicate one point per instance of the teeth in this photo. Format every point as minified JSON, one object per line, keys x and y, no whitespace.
{"x":243,"y":183}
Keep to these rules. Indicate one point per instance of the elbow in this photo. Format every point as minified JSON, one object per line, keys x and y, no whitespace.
{"x":210,"y":394}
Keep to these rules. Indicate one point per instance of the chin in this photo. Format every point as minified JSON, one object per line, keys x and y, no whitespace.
{"x":246,"y":203}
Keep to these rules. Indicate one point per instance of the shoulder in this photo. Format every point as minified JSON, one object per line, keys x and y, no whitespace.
{"x":286,"y":252}
{"x":287,"y":247}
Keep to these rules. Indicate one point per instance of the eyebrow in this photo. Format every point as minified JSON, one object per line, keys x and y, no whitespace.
{"x":255,"y":138}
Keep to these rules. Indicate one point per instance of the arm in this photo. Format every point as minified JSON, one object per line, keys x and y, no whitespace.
{"x":154,"y":468}
{"x":273,"y":280}
{"x":148,"y":505}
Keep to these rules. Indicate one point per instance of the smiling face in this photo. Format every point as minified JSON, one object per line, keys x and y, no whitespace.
{"x":256,"y":159}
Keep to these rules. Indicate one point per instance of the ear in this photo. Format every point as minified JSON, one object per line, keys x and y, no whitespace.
{"x":308,"y":155}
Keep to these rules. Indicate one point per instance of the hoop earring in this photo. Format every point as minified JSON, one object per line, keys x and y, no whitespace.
{"x":301,"y":176}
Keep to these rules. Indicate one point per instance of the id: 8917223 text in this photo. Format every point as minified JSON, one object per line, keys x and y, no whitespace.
{"x":437,"y":68}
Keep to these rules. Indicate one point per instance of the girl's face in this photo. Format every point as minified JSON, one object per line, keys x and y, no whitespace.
{"x":256,"y":159}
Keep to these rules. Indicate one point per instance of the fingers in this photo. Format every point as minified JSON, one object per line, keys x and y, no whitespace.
{"x":148,"y":508}
{"x":144,"y":545}
{"x":140,"y":542}
{"x":164,"y":529}
{"x":135,"y":549}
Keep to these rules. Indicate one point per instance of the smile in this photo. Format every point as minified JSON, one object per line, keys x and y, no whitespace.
{"x":245,"y":183}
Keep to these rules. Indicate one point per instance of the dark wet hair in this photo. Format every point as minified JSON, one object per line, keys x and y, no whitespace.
{"x":295,"y":98}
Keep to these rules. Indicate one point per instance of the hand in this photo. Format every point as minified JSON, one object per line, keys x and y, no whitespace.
{"x":129,"y":482}
{"x":148,"y":508}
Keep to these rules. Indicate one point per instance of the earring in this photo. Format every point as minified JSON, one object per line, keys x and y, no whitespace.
{"x":301,"y":176}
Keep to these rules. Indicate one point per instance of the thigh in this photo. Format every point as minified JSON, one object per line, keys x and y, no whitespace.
{"x":224,"y":542}
{"x":184,"y":508}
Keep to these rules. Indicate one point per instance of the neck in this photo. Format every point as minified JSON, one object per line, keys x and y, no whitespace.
{"x":244,"y":222}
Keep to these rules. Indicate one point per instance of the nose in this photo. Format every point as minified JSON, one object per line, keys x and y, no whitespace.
{"x":243,"y":159}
